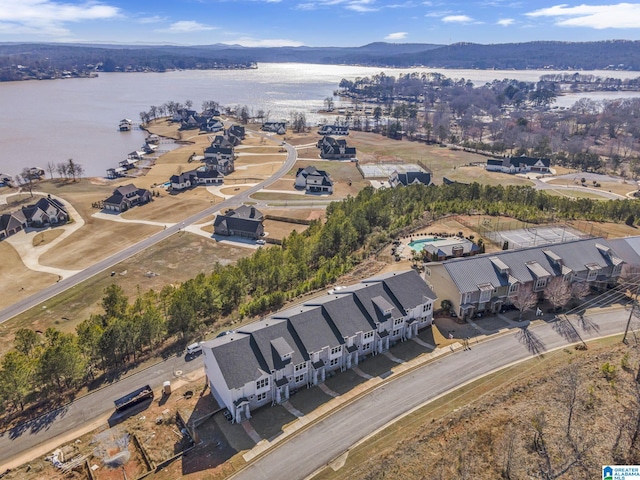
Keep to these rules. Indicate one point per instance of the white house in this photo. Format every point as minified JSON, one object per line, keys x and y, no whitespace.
{"x":313,"y":180}
{"x":266,"y":361}
{"x":519,"y":165}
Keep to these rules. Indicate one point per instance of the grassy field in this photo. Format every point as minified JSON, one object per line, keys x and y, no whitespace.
{"x":17,"y":282}
{"x":46,"y":236}
{"x":469,"y":174}
{"x":172,"y":261}
{"x":575,"y":194}
{"x":621,"y":188}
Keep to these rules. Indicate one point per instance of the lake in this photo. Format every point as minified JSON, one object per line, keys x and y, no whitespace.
{"x":54,"y":120}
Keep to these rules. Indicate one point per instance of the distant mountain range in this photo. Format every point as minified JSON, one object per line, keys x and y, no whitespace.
{"x":617,"y":54}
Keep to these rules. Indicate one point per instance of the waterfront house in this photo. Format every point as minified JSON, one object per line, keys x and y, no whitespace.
{"x":313,"y":180}
{"x":276,"y":127}
{"x":335,"y":149}
{"x":334,"y":130}
{"x":46,"y":211}
{"x":244,"y":221}
{"x":11,"y":223}
{"x":192,"y":178}
{"x":125,"y":197}
{"x":486,"y":283}
{"x":125,"y":125}
{"x":265,"y":362}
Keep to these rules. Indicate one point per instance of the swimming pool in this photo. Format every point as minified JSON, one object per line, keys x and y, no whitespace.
{"x":418,"y":245}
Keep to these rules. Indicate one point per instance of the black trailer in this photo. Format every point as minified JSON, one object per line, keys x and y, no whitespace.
{"x":134,"y":398}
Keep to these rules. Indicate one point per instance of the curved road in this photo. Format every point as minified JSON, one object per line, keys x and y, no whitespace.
{"x":303,"y":454}
{"x":109,"y":262}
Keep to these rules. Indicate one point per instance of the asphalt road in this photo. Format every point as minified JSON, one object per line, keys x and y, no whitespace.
{"x":27,"y":436}
{"x":303,"y":454}
{"x":107,"y":263}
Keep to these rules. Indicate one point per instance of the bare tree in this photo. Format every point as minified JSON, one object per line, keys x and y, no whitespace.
{"x":568,"y":388}
{"x":558,"y":292}
{"x":61,"y":168}
{"x":579,"y":290}
{"x":524,"y":299}
{"x":51,"y":167}
{"x":26,"y":180}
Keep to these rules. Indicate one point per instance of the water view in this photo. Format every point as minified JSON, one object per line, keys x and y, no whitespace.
{"x":56,"y":120}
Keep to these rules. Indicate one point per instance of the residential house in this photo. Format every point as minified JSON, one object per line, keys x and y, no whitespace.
{"x":237,"y":131}
{"x":405,"y":178}
{"x":214,"y":125}
{"x":125,"y":125}
{"x":244,"y":221}
{"x":335,"y":149}
{"x":193,"y":178}
{"x":521,"y":164}
{"x":313,"y":180}
{"x":5,"y":180}
{"x":125,"y":197}
{"x":266,"y":361}
{"x":46,"y":211}
{"x":485,"y":283}
{"x":276,"y":127}
{"x":221,"y":158}
{"x":11,"y":223}
{"x":334,"y":130}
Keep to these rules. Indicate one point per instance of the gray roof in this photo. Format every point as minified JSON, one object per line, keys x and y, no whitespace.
{"x":627,"y":248}
{"x":313,"y":326}
{"x":242,"y":363}
{"x":469,"y":272}
{"x":347,"y":314}
{"x":407,"y":288}
{"x":266,"y":332}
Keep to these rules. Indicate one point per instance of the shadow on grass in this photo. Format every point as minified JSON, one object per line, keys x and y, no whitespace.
{"x":531,"y":341}
{"x":344,"y":381}
{"x":377,"y":365}
{"x":308,"y":399}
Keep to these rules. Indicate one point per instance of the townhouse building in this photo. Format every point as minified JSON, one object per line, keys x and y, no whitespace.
{"x":265,"y":362}
{"x":486,"y":283}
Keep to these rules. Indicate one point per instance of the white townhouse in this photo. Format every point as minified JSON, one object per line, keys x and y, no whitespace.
{"x":266,"y":361}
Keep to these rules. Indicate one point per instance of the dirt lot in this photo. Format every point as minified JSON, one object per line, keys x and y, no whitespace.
{"x":177,"y":259}
{"x":114,"y":454}
{"x":280,"y":230}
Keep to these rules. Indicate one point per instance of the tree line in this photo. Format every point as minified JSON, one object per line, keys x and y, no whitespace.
{"x":40,"y":366}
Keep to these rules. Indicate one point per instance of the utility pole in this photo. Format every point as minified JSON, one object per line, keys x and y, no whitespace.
{"x":626,"y":330}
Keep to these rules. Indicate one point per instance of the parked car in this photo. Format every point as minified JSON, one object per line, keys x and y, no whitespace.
{"x":227,"y":414}
{"x":194,"y":349}
{"x":260,"y":242}
{"x":226,"y":332}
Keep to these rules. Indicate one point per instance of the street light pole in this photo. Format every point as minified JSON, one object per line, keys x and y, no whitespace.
{"x":626,"y":330}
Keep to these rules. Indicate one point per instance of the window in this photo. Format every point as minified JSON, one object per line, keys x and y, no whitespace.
{"x":262,"y":383}
{"x":396,"y":332}
{"x":368,"y":335}
{"x":513,"y":288}
{"x":593,"y":273}
{"x":334,"y":362}
{"x":336,"y":350}
{"x":299,"y":378}
{"x":300,"y":366}
{"x":398,"y":321}
{"x":261,"y":396}
{"x":616,"y":270}
{"x":426,"y":307}
{"x":540,"y":283}
{"x":485,"y":295}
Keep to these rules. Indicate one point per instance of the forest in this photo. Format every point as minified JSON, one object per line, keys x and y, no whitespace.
{"x":505,"y":117}
{"x":41,"y":366}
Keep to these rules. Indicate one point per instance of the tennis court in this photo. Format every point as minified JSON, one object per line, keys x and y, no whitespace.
{"x":531,"y":237}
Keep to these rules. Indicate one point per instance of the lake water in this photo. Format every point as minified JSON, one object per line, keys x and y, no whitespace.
{"x":55,"y":120}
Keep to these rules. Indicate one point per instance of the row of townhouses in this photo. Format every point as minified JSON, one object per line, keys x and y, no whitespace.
{"x":486,"y":283}
{"x":264,"y":362}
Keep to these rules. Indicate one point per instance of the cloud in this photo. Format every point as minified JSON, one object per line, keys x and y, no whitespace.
{"x":187,"y":26}
{"x":267,"y":42}
{"x":621,"y":15}
{"x":153,"y":19}
{"x":505,"y":22}
{"x":396,"y":36}
{"x":361,"y":6}
{"x":457,"y":19}
{"x":439,"y":13}
{"x":49,"y":17}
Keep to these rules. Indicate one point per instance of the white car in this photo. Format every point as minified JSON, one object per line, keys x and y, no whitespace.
{"x":194,"y":348}
{"x":260,"y":242}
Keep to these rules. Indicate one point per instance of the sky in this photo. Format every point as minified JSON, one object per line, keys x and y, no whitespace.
{"x":316,"y":23}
